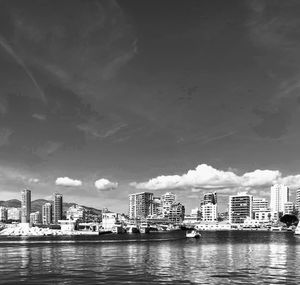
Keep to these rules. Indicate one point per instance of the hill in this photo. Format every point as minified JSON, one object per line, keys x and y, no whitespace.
{"x":37,"y":205}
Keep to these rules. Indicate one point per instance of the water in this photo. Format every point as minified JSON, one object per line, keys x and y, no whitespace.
{"x":216,"y":258}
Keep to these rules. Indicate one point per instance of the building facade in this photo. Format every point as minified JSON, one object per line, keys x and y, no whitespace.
{"x":240,"y":207}
{"x":76,"y":212}
{"x":58,"y":207}
{"x":14,"y":214}
{"x":259,"y":204}
{"x":47,"y":214}
{"x":288,"y":208}
{"x":25,"y":205}
{"x":209,"y":212}
{"x":35,"y":218}
{"x":176,"y":213}
{"x":140,"y":205}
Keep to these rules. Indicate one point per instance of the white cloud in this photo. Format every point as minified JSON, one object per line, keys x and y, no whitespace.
{"x":33,"y":180}
{"x":207,"y":177}
{"x":66,"y":181}
{"x":104,"y":184}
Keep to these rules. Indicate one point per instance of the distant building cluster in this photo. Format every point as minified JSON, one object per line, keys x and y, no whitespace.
{"x":245,"y":208}
{"x":145,"y":206}
{"x":51,"y":212}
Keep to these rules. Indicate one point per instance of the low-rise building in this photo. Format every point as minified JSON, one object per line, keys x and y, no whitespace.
{"x":76,"y":212}
{"x":213,"y":226}
{"x":109,"y":220}
{"x":35,"y":218}
{"x":14,"y":214}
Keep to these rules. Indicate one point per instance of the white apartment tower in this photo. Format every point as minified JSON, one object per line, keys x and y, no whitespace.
{"x":47,"y":214}
{"x":279,"y":196}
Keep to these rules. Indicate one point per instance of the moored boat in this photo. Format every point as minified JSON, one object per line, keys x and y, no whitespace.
{"x":192,"y":234}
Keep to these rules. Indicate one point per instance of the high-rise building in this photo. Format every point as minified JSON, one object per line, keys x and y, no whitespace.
{"x":3,"y":214}
{"x":47,"y":214}
{"x":240,"y":207}
{"x":279,"y":196}
{"x":210,"y":198}
{"x":25,"y":205}
{"x":298,"y":199}
{"x":209,"y":212}
{"x":58,"y":207}
{"x":140,"y":205}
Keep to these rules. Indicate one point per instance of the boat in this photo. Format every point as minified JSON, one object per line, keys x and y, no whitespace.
{"x":297,"y":231}
{"x":276,"y":229}
{"x":132,"y":229}
{"x":144,"y":228}
{"x":192,"y":234}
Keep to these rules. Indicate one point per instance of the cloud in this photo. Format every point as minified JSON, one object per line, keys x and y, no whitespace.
{"x":39,"y":117}
{"x":68,"y":182}
{"x":208,"y":178}
{"x":33,"y":180}
{"x":104,"y":184}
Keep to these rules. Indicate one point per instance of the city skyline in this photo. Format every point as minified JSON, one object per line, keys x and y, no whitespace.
{"x":165,"y":97}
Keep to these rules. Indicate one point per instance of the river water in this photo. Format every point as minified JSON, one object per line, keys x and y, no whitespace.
{"x":235,"y":257}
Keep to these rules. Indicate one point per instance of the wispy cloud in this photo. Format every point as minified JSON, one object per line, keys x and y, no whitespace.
{"x":39,"y":117}
{"x":4,"y":44}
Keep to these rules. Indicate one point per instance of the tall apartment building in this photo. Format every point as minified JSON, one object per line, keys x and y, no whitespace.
{"x":279,"y":196}
{"x":57,"y":207}
{"x":298,"y":199}
{"x":209,"y":209}
{"x":25,"y":205}
{"x":140,"y":205}
{"x":3,"y":214}
{"x":47,"y":214}
{"x":240,"y":207}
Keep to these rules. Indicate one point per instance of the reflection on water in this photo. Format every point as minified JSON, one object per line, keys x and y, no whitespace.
{"x":216,"y":258}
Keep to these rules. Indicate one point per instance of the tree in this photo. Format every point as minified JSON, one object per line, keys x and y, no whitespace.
{"x":289,"y":220}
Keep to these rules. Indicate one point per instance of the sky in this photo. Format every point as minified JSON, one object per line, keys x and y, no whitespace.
{"x":100,"y":99}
